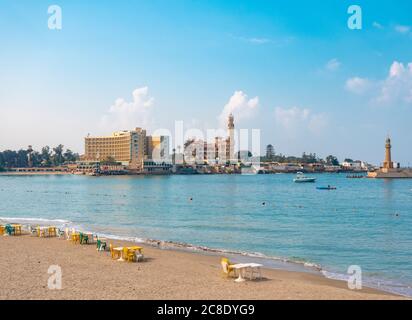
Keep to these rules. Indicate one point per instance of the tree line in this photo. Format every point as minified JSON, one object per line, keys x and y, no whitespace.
{"x":304,"y":159}
{"x":47,"y":157}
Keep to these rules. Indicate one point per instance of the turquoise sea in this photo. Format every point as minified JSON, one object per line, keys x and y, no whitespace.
{"x":364,"y":222}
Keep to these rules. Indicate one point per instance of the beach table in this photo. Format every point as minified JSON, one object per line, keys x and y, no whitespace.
{"x":17,"y":229}
{"x":42,"y":232}
{"x":136,"y":248}
{"x":254,"y":267}
{"x":121,"y":251}
{"x":243,"y":267}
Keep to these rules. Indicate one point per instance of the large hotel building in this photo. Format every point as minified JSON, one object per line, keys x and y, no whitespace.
{"x":130,"y":148}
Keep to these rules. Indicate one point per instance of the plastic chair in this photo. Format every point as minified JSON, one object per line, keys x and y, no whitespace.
{"x":84,"y":239}
{"x":138,"y":256}
{"x":33,"y":231}
{"x":17,"y":229}
{"x":75,"y":237}
{"x":227,"y":267}
{"x":52,"y":231}
{"x":101,"y":245}
{"x":9,"y":229}
{"x":128,"y":254}
{"x":114,"y":254}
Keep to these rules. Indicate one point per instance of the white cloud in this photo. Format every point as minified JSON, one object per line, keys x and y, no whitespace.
{"x":377,"y":25}
{"x":278,"y":42}
{"x":240,"y":106}
{"x":402,"y":29}
{"x":358,"y":85}
{"x":258,"y":40}
{"x":333,"y":64}
{"x":124,"y":115}
{"x":295,"y":120}
{"x":397,"y":87}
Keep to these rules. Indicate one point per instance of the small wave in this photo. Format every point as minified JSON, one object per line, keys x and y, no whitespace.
{"x":40,"y":221}
{"x":373,"y":283}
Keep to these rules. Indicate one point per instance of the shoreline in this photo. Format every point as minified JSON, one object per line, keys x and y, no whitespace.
{"x":62,"y":173}
{"x":41,"y":173}
{"x":273,"y":263}
{"x":167,"y":273}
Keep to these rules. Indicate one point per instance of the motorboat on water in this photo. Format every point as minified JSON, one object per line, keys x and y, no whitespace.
{"x":326,"y":188}
{"x":301,"y":178}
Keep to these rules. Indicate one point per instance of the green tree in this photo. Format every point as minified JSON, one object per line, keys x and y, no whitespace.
{"x":58,"y":155}
{"x":69,"y":156}
{"x":332,"y":160}
{"x":21,"y":159}
{"x":109,"y":160}
{"x":46,"y":156}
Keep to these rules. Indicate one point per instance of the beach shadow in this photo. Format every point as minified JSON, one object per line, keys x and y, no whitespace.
{"x":147,"y":259}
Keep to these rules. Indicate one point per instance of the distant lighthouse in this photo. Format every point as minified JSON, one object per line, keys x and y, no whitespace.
{"x":388,"y":164}
{"x":388,"y":170}
{"x":230,"y":141}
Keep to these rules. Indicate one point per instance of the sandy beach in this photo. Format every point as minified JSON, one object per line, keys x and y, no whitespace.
{"x":165,"y":274}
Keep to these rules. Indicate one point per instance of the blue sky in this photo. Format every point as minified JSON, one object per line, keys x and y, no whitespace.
{"x":293,"y":69}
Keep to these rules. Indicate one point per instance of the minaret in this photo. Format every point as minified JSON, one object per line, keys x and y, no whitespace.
{"x":230,"y":148}
{"x":388,"y":164}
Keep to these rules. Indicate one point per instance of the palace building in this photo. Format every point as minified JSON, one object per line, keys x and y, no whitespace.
{"x":220,"y":151}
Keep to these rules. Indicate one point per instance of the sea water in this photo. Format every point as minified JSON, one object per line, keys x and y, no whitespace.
{"x":365,"y":222}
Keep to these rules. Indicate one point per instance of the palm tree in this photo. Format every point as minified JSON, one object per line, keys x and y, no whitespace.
{"x":58,"y":155}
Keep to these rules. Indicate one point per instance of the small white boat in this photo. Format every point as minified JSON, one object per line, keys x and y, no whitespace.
{"x":93,"y":174}
{"x":301,"y":178}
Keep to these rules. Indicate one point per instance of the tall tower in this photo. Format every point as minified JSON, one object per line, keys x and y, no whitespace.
{"x":388,"y":164}
{"x":230,"y":146}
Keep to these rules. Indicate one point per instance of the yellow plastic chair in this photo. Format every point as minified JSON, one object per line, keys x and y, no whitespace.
{"x":75,"y":238}
{"x":227,"y":267}
{"x":41,"y":233}
{"x":52,"y":231}
{"x":2,"y":228}
{"x":17,"y":229}
{"x":113,"y":253}
{"x":128,"y":254}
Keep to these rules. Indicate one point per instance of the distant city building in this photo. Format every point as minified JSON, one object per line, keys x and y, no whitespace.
{"x":153,"y":167}
{"x":270,"y":151}
{"x":126,"y":147}
{"x":220,"y":151}
{"x":157,"y":148}
{"x":354,"y":165}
